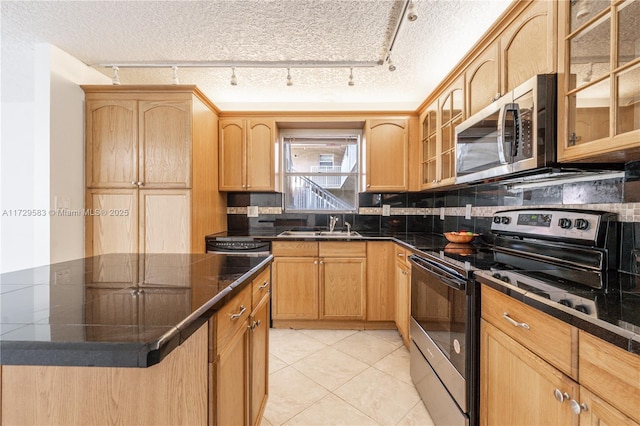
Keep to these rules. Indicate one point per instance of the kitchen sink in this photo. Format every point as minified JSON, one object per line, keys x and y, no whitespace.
{"x":320,"y":234}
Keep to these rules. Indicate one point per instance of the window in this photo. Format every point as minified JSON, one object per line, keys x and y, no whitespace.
{"x":321,"y":171}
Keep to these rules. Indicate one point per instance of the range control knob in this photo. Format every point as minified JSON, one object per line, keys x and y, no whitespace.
{"x":565,"y":302}
{"x":582,"y":308}
{"x":496,"y":219}
{"x":564,"y":223}
{"x":505,"y":220}
{"x":582,"y":224}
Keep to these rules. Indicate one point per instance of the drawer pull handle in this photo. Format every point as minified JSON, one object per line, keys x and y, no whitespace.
{"x":560,"y":396}
{"x":239,"y":314}
{"x":265,"y":285}
{"x":577,"y":408}
{"x":515,"y":323}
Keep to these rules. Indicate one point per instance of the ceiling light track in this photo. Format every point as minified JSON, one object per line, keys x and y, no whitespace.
{"x":246,"y":64}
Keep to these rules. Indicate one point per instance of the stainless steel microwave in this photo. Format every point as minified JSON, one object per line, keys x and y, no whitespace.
{"x":514,"y":135}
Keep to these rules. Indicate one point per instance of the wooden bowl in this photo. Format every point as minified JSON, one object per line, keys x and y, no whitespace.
{"x":460,"y":237}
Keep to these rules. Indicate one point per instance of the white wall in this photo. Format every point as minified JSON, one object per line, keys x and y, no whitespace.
{"x":41,"y":154}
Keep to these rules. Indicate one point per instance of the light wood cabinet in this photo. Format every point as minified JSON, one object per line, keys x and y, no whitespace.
{"x":598,"y":91}
{"x":380,"y":276}
{"x":613,"y":375}
{"x":259,"y":364}
{"x":483,"y":80}
{"x":151,"y":186}
{"x":529,"y":45}
{"x":247,"y":155}
{"x":386,"y":148}
{"x":402,"y":285}
{"x":319,"y":281}
{"x":600,"y":413}
{"x":438,"y":151}
{"x":518,"y":387}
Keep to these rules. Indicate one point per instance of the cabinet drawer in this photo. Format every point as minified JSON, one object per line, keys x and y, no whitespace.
{"x":260,"y":287}
{"x":551,"y":339}
{"x":295,"y":248}
{"x":343,"y":249}
{"x":611,"y":373}
{"x":231,"y":317}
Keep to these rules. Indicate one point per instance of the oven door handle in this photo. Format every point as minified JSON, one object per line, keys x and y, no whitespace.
{"x":441,"y":273}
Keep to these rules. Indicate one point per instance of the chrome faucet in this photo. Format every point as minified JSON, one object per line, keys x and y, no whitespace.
{"x":348,"y":225}
{"x":332,"y":222}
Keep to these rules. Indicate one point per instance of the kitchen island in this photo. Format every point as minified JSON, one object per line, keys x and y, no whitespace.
{"x":119,"y":338}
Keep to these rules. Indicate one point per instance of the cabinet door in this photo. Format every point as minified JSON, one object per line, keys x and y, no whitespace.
{"x":600,"y":413}
{"x":387,"y":145}
{"x":483,"y":80}
{"x":517,"y":387}
{"x":380,"y":272}
{"x":295,"y":288}
{"x":451,"y":114}
{"x":260,"y":163}
{"x":342,"y":286}
{"x":165,"y":221}
{"x":232,"y":381}
{"x":403,"y":300}
{"x":529,"y":46}
{"x":259,"y":325}
{"x":111,"y":143}
{"x":429,"y":148}
{"x":232,"y":158}
{"x":165,"y":144}
{"x":114,"y":226}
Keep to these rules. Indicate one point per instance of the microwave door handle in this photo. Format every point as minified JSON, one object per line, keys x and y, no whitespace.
{"x":501,"y":124}
{"x":517,"y":140}
{"x":510,"y":146}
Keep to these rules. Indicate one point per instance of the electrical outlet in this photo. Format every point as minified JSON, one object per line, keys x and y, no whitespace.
{"x":386,"y":210}
{"x":467,"y":211}
{"x":441,"y":213}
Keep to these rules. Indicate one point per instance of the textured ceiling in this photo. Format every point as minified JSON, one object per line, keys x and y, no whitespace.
{"x":107,"y":32}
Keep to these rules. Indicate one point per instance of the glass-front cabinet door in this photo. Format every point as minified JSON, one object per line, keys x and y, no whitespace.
{"x":599,"y":91}
{"x":428,"y":163}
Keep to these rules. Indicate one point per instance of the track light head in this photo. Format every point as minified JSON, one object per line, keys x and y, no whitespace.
{"x":289,"y":79}
{"x":234,"y":79}
{"x":411,"y":12}
{"x":175,"y":79}
{"x":392,"y":66}
{"x":351,"y":82}
{"x":116,"y":79}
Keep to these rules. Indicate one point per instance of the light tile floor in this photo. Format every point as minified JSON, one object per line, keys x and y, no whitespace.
{"x":341,"y":377}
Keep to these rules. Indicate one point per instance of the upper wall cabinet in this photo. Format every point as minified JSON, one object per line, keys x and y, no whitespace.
{"x":483,"y":79}
{"x":599,"y":86}
{"x":135,"y":143}
{"x":528,"y":45}
{"x":247,"y":155}
{"x":438,"y":151}
{"x":386,"y":152}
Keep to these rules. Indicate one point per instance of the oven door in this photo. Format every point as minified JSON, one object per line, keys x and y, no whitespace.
{"x":439,"y":324}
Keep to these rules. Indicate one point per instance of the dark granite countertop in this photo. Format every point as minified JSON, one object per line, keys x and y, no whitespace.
{"x":115,"y":310}
{"x":618,"y":308}
{"x":619,"y":313}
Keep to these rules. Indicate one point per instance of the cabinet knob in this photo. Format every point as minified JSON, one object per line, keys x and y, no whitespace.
{"x":560,"y":396}
{"x":134,"y":183}
{"x":577,"y":407}
{"x":140,"y":183}
{"x":368,"y":185}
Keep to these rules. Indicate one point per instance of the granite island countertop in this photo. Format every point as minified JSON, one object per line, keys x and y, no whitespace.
{"x":115,"y":310}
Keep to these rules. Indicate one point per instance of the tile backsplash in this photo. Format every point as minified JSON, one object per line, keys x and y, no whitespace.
{"x":421,"y":211}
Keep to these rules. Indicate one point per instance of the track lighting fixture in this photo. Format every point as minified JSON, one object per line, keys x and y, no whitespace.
{"x":175,"y":79}
{"x":392,"y":66}
{"x":234,"y":79}
{"x":289,"y":79}
{"x":351,"y":82}
{"x":115,"y":80}
{"x":411,"y":11}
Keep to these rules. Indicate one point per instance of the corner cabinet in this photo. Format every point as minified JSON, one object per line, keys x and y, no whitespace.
{"x":598,"y":90}
{"x":386,"y":153}
{"x":247,"y":155}
{"x":149,"y":175}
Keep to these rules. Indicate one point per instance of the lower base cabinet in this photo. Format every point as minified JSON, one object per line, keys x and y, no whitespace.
{"x":239,"y":371}
{"x":518,"y":387}
{"x":403,"y":300}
